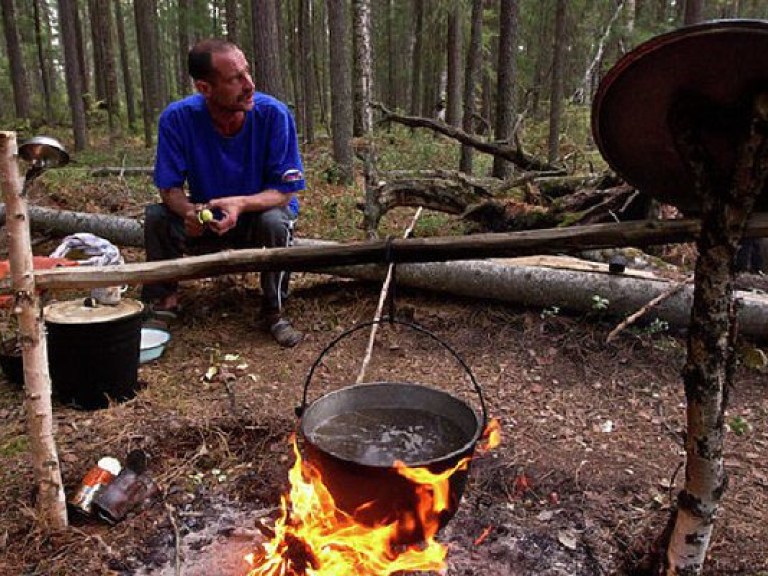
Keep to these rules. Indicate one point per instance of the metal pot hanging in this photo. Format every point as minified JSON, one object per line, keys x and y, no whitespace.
{"x":354,"y":435}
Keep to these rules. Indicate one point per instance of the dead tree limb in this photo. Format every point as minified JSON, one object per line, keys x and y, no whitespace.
{"x":503,"y":150}
{"x":123,"y":171}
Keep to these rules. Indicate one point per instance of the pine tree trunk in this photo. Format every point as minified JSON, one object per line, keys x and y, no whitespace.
{"x":453,"y":82}
{"x":18,"y":73}
{"x":556,"y":91}
{"x":101,"y":24}
{"x":183,"y":45}
{"x":233,"y":32}
{"x":51,"y":503}
{"x":43,"y":60}
{"x":307,"y":67}
{"x":505,"y":89}
{"x":267,"y":70}
{"x":471,"y":75}
{"x":125,"y":66}
{"x":72,"y":72}
{"x":341,"y":90}
{"x":416,"y":57}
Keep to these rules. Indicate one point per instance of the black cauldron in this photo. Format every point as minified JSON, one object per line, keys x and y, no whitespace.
{"x":353,"y":436}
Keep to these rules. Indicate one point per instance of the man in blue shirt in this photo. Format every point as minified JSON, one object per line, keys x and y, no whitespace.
{"x":233,"y":151}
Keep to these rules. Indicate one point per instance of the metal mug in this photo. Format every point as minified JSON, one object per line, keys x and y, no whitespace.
{"x":108,"y":295}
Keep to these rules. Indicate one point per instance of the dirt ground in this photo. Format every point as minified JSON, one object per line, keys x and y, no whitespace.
{"x":582,"y":483}
{"x":590,"y":457}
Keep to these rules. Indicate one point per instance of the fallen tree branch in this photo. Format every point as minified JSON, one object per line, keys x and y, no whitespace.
{"x":632,"y":318}
{"x":502,"y":150}
{"x":123,"y":171}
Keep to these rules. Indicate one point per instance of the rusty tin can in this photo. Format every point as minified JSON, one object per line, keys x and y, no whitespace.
{"x":93,"y":482}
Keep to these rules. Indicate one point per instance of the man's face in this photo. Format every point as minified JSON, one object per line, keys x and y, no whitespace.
{"x":231,"y":87}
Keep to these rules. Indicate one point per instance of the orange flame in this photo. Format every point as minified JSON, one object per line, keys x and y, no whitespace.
{"x":312,"y":537}
{"x":491,"y":435}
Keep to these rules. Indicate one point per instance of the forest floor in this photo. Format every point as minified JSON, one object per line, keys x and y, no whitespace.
{"x":581,"y":484}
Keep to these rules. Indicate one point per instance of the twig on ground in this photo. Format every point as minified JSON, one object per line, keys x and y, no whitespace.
{"x":176,"y":537}
{"x":632,"y":318}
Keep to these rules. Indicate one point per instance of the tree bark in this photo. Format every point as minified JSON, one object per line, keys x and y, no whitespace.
{"x":363,"y":67}
{"x":18,"y":72}
{"x":43,"y":58}
{"x":711,"y":360}
{"x":267,"y":69}
{"x":130,"y":98}
{"x":416,"y":57}
{"x":183,"y":45}
{"x":693,"y":12}
{"x":51,"y":503}
{"x":471,"y":74}
{"x":101,"y":25}
{"x":556,"y":87}
{"x":145,"y":13}
{"x":72,"y":71}
{"x":341,"y":89}
{"x":308,"y":66}
{"x":506,"y":78}
{"x":453,"y":82}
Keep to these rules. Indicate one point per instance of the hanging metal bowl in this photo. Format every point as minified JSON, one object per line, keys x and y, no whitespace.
{"x":43,"y":152}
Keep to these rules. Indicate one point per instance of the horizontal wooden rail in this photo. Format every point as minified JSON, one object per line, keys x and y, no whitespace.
{"x":436,"y":249}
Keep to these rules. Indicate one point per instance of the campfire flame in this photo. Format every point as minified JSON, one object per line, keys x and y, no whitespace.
{"x":312,"y":537}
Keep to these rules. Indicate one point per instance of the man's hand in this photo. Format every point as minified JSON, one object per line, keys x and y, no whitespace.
{"x":230,"y":209}
{"x":192,"y":225}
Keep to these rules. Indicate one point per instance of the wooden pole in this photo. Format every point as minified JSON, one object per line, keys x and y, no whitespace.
{"x":438,"y":249}
{"x":51,"y":503}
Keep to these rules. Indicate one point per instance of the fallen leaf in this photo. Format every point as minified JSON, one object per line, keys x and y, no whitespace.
{"x":568,"y":538}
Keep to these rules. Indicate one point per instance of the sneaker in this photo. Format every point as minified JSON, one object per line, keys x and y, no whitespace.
{"x":284,"y":333}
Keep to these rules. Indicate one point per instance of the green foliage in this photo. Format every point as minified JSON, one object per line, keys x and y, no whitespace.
{"x":599,"y":304}
{"x":15,"y":446}
{"x":739,"y":426}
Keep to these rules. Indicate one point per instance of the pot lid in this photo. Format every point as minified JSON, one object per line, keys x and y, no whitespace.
{"x":713,"y":70}
{"x":79,"y":312}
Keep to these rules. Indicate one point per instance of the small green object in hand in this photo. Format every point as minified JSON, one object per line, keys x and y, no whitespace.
{"x":205,"y":216}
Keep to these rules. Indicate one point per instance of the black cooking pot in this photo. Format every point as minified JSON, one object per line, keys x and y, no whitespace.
{"x":354,"y":435}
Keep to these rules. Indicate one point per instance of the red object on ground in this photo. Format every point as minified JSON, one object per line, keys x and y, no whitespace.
{"x":38,"y":263}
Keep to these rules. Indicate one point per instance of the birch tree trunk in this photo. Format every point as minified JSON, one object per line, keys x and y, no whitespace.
{"x":51,"y":504}
{"x":708,"y":372}
{"x":363,"y":67}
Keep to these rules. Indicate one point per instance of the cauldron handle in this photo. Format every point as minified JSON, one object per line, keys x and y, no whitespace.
{"x":459,"y":359}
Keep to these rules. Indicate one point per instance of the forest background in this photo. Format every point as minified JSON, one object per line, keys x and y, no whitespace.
{"x":96,"y":74}
{"x":528,"y":68}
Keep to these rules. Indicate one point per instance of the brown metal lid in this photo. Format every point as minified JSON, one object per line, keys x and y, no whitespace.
{"x":718,"y":66}
{"x":78,"y":312}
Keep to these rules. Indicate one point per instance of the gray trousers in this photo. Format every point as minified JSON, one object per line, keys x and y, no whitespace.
{"x":164,"y":238}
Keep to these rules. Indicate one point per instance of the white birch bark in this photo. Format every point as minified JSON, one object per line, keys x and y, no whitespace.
{"x":361,"y":28}
{"x":51,"y":504}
